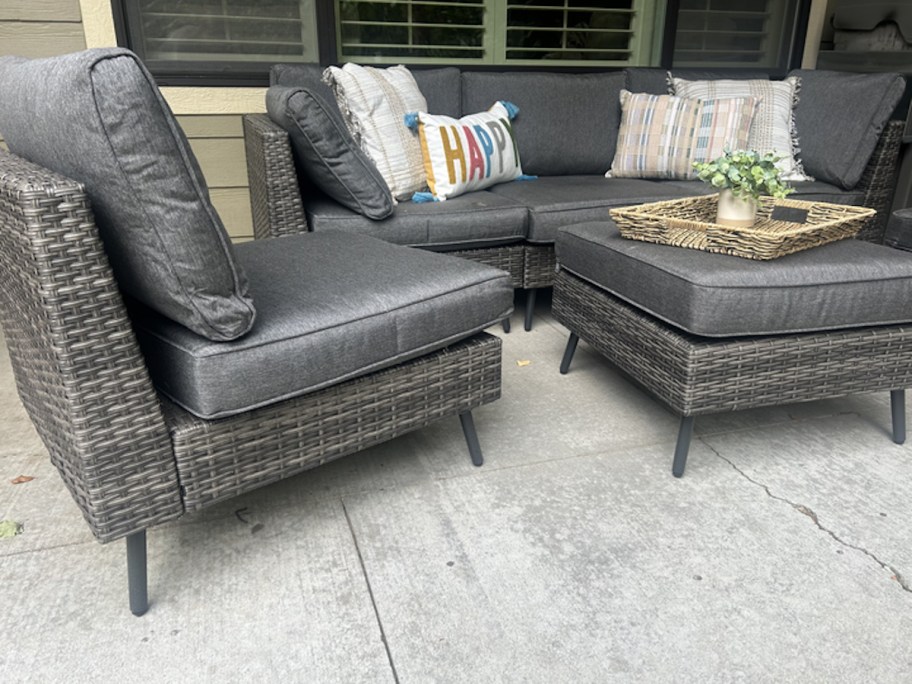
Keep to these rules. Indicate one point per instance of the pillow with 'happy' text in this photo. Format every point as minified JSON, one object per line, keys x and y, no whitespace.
{"x":471,"y":153}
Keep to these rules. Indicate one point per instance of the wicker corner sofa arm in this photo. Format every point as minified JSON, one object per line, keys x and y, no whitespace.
{"x":879,"y":179}
{"x":78,"y":368}
{"x":275,"y":196}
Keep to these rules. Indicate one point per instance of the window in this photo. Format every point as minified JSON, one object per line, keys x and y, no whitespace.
{"x":567,"y":32}
{"x":734,"y":33}
{"x":235,"y":41}
{"x":219,"y":37}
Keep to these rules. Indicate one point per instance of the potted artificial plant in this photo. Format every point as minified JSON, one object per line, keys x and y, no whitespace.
{"x":741,"y":177}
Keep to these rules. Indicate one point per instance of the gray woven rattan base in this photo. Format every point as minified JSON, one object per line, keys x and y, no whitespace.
{"x":698,"y":375}
{"x":540,"y":263}
{"x":223,"y":458}
{"x":508,"y":258}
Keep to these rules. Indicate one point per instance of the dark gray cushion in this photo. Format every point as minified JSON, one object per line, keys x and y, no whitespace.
{"x":475,"y":219}
{"x":567,"y":123}
{"x":98,"y":118}
{"x":839,"y":118}
{"x":808,"y":191}
{"x":440,"y":87}
{"x":326,"y":153}
{"x":654,"y":80}
{"x":332,"y":306}
{"x":845,"y":284}
{"x":556,"y":201}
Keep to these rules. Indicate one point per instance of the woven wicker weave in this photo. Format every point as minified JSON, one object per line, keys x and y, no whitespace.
{"x":130,"y":464}
{"x":690,"y":223}
{"x":696,"y":375}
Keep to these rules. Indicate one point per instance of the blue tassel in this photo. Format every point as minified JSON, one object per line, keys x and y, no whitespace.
{"x":525,"y":177}
{"x":422,"y":197}
{"x":411,"y":120}
{"x":512,"y":109}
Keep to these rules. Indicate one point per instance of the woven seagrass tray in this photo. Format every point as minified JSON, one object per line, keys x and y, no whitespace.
{"x":690,"y":222}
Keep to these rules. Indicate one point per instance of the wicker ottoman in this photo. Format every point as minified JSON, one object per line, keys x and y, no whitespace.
{"x":650,"y":310}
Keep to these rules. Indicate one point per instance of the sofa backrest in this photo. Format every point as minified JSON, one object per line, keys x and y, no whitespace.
{"x":567,"y":123}
{"x":654,"y":80}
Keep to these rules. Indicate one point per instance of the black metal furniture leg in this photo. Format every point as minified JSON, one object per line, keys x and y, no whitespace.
{"x":506,"y":325}
{"x":898,"y":409}
{"x":136,"y":573}
{"x":685,"y":432}
{"x":530,"y":307}
{"x":569,"y":351}
{"x":468,"y":429}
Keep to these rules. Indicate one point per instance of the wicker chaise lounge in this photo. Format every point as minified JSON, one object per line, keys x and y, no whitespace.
{"x":354,"y":341}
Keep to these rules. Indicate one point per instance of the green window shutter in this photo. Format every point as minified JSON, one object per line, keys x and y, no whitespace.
{"x":227,"y":30}
{"x":731,"y":33}
{"x":415,"y":31}
{"x":577,"y":32}
{"x":534,"y":32}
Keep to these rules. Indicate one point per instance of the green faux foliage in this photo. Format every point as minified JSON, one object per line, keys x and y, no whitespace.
{"x":747,"y":173}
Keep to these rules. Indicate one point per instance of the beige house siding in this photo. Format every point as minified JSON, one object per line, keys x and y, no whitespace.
{"x":41,"y":28}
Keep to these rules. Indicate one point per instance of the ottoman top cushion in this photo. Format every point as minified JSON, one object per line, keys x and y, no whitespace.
{"x":844,"y":284}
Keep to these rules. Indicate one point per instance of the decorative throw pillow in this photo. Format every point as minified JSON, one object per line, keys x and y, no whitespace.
{"x":471,"y":153}
{"x":773,"y":129}
{"x":662,"y":135}
{"x":373,"y":103}
{"x":326,"y":152}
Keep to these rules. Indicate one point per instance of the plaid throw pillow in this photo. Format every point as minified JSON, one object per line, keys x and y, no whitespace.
{"x":773,"y":128}
{"x":662,"y":135}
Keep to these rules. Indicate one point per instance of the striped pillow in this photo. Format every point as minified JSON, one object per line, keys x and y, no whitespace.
{"x":373,"y":103}
{"x":662,"y":135}
{"x":773,"y":129}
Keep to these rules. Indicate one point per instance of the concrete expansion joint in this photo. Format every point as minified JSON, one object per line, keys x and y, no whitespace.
{"x":809,"y":513}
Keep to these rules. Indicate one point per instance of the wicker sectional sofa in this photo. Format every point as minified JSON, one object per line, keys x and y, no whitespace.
{"x":566,"y":132}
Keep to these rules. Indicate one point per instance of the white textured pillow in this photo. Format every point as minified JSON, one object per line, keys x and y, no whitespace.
{"x":373,"y":103}
{"x":471,"y":153}
{"x":773,"y":127}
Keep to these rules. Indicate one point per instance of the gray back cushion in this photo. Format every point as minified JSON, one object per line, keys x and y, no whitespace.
{"x":567,"y":123}
{"x":654,"y":80}
{"x":440,"y":87}
{"x":98,"y":118}
{"x":325,"y":151}
{"x":839,"y":118}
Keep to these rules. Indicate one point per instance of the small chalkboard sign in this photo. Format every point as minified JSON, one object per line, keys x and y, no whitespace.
{"x":790,"y":214}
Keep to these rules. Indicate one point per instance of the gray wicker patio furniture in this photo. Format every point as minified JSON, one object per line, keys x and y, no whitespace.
{"x":709,"y":333}
{"x":570,"y":188}
{"x":354,"y":341}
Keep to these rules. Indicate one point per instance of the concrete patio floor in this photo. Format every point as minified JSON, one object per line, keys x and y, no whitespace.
{"x":572,"y":555}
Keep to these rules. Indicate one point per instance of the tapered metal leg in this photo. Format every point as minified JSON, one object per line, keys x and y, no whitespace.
{"x":685,"y":432}
{"x":468,"y":429}
{"x":506,"y":325}
{"x":898,"y":408}
{"x":569,"y":351}
{"x":136,"y":573}
{"x":530,"y":307}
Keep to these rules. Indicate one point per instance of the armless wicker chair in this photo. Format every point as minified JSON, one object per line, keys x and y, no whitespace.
{"x":131,"y":457}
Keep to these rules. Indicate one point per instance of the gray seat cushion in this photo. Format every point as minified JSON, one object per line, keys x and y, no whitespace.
{"x":556,"y":201}
{"x":845,"y":284}
{"x":98,"y":118}
{"x":567,"y":123}
{"x":325,"y":152}
{"x":331,"y":306}
{"x":475,"y":219}
{"x":839,"y":118}
{"x":808,"y":191}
